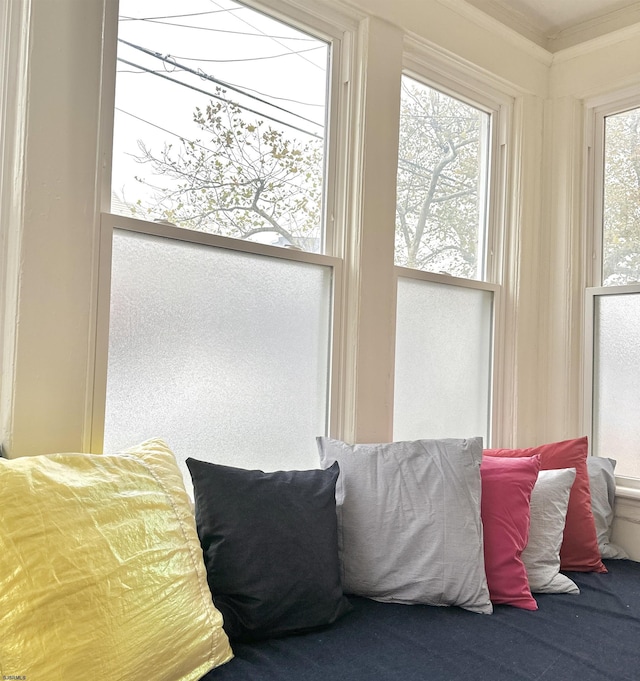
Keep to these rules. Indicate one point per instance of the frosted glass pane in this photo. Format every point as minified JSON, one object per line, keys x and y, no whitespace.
{"x":443,"y":361}
{"x":223,"y":354}
{"x":617,"y":381}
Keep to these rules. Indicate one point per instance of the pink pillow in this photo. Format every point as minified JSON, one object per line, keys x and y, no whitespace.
{"x":506,"y":495}
{"x":579,"y":549}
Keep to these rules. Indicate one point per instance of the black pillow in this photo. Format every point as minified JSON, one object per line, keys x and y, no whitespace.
{"x":270,"y":547}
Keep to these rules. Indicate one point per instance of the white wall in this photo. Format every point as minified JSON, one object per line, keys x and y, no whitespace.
{"x":49,"y":366}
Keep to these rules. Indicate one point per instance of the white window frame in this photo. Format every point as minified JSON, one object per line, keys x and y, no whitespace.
{"x":13,"y":99}
{"x":337,"y":29}
{"x":483,"y":251}
{"x":463,"y":83}
{"x":597,"y":110}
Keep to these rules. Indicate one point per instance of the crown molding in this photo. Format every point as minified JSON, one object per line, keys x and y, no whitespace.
{"x":514,"y":19}
{"x":494,"y":15}
{"x":515,"y":37}
{"x":597,"y":27}
{"x":425,"y":57}
{"x":597,"y":43}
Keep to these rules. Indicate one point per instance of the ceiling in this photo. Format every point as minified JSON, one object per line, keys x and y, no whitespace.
{"x":558,"y":24}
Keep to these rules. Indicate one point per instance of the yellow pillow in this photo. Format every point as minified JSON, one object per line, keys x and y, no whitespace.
{"x":101,"y":571}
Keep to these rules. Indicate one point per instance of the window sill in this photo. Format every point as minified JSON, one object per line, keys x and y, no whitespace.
{"x":626,"y":492}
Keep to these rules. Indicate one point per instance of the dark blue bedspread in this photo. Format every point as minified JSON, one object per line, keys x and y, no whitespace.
{"x":593,"y":636}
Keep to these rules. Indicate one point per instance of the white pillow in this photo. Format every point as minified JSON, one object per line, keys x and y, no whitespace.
{"x":603,"y":493}
{"x":541,"y":557}
{"x":409,"y":527}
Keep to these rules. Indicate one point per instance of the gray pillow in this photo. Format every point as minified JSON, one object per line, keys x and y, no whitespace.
{"x":603,"y":495}
{"x":548,"y":512}
{"x":409,"y":527}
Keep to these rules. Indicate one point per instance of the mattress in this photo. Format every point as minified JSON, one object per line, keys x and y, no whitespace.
{"x":591,"y":636}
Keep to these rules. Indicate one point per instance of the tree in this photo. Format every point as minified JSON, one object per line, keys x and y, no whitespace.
{"x":621,"y":218}
{"x":246,"y":178}
{"x":438,"y":220}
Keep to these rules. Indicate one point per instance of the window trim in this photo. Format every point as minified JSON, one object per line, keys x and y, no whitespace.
{"x":482,"y":91}
{"x":14,"y":57}
{"x":469,"y":84}
{"x":340,"y":29}
{"x":596,"y":111}
{"x":499,"y":112}
{"x":337,"y":30}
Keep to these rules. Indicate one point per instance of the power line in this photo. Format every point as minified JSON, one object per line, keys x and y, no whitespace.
{"x":274,"y":38}
{"x":282,"y":99}
{"x":159,"y":127}
{"x":205,"y":76}
{"x":245,"y":88}
{"x":222,"y":99}
{"x":261,"y":34}
{"x":180,"y":16}
{"x":269,"y":56}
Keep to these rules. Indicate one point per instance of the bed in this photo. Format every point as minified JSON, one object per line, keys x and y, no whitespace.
{"x":591,"y":636}
{"x":433,"y":560}
{"x":418,"y":529}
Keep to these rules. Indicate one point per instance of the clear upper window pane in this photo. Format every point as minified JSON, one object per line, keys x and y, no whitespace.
{"x":443,"y":361}
{"x":220,"y":121}
{"x":616,"y":422}
{"x":621,"y":210}
{"x":441,"y":213}
{"x":224,"y":354}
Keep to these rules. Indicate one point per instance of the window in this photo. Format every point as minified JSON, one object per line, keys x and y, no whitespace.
{"x":220,"y":119}
{"x":613,"y":303}
{"x":219,"y":290}
{"x":443,"y":157}
{"x":445,"y":305}
{"x":621,"y":199}
{"x":235,"y":322}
